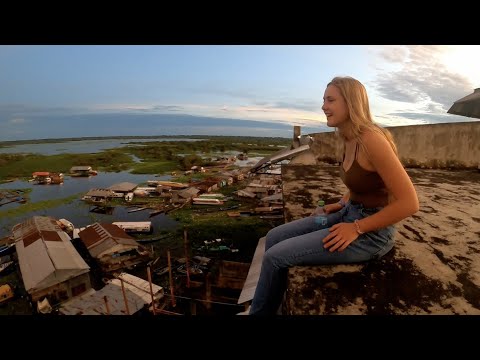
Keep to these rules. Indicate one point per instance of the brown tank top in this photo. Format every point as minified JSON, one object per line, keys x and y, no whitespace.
{"x":366,"y":187}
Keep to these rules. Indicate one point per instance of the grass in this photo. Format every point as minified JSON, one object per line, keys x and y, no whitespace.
{"x":40,"y":205}
{"x":157,"y":157}
{"x":22,"y":166}
{"x":154,"y":167}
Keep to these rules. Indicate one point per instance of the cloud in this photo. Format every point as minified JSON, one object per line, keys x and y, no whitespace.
{"x":422,"y":78}
{"x":300,"y":105}
{"x":20,"y":110}
{"x":393,"y":54}
{"x":430,"y":118}
{"x":17,"y":121}
{"x":252,"y":98}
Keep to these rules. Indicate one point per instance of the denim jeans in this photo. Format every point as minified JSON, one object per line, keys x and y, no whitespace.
{"x":300,"y":243}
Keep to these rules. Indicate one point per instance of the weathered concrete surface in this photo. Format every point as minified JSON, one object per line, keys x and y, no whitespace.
{"x":453,"y":145}
{"x":434,"y":267}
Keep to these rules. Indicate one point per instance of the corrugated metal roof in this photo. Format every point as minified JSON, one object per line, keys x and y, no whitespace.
{"x":137,"y":292}
{"x":283,"y":154}
{"x":100,"y":193}
{"x":123,"y":187}
{"x":101,"y":237}
{"x":44,"y":262}
{"x":189,"y":192}
{"x":80,"y":168}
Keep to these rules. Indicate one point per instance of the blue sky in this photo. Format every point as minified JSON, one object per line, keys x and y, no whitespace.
{"x":70,"y":91}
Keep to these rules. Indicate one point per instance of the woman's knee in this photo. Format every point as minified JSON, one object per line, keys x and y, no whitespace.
{"x":274,"y":236}
{"x":270,"y":239}
{"x":269,"y":259}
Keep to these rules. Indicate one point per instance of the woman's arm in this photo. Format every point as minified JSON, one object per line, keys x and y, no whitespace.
{"x":398,"y":183}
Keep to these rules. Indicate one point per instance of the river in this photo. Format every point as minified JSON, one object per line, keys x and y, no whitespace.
{"x":78,"y":212}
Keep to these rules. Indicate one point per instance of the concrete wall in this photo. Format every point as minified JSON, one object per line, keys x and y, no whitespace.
{"x":453,"y":145}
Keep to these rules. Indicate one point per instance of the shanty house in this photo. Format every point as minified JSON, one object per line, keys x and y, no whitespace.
{"x":124,"y":187}
{"x":115,"y":299}
{"x":182,"y":196}
{"x":112,"y":247}
{"x":82,"y":171}
{"x":98,"y":196}
{"x":41,"y":177}
{"x":49,"y":264}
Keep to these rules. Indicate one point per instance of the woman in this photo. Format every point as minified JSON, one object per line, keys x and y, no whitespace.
{"x":360,"y":226}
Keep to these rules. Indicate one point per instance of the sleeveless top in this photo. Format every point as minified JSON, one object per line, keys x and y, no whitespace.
{"x":366,"y":187}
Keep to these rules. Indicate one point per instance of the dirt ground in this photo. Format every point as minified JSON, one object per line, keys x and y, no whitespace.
{"x":437,"y":250}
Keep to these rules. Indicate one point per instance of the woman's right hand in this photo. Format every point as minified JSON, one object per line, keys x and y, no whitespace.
{"x":327,"y":209}
{"x":332,"y":208}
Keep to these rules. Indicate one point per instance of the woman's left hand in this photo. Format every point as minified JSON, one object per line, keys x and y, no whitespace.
{"x":341,"y":235}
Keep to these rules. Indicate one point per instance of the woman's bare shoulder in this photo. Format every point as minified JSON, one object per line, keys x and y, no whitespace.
{"x":374,"y":139}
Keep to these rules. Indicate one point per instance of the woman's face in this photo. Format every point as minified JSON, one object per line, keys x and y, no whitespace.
{"x":334,"y":107}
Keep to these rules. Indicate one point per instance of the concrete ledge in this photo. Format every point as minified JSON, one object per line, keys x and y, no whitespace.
{"x":392,"y":285}
{"x":434,"y":267}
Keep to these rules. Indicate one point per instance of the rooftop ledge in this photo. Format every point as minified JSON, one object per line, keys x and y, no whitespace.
{"x":434,"y":267}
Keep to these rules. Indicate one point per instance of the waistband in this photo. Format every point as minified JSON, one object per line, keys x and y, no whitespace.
{"x":367,"y":206}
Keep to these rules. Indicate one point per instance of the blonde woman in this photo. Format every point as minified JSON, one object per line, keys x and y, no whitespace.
{"x":360,"y":226}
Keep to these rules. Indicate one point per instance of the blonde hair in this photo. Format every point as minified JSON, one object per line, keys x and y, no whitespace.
{"x":356,"y":98}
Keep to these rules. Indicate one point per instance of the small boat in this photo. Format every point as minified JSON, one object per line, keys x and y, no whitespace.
{"x":149,"y":240}
{"x":155,"y":212}
{"x":137,"y":209}
{"x":66,"y":225}
{"x":161,"y":271}
{"x":5,"y":258}
{"x":193,"y":269}
{"x":5,"y":268}
{"x":7,"y":249}
{"x":135,"y":226}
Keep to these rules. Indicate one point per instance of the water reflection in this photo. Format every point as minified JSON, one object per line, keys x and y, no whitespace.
{"x":78,"y":212}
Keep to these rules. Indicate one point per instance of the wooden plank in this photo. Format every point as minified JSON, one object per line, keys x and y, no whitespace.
{"x":253,"y":273}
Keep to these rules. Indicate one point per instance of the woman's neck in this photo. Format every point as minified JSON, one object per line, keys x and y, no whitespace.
{"x":346,"y":133}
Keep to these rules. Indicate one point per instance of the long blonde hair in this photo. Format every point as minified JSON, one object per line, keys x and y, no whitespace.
{"x":356,"y":98}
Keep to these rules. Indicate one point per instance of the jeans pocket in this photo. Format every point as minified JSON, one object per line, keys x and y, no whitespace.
{"x":369,"y":211}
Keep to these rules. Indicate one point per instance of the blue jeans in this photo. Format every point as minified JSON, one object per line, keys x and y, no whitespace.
{"x":300,"y":243}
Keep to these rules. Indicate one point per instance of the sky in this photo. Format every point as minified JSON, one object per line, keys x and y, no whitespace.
{"x":259,"y":90}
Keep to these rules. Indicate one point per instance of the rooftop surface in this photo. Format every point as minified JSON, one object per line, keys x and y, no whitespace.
{"x":437,"y":250}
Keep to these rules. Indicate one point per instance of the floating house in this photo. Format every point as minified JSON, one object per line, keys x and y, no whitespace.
{"x":82,"y":171}
{"x":98,"y":196}
{"x":113,"y":299}
{"x":112,"y":247}
{"x":49,"y":264}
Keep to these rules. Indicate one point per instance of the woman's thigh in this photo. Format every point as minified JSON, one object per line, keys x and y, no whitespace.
{"x":308,"y":249}
{"x":299,"y":227}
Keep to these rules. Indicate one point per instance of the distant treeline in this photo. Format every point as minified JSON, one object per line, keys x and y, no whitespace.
{"x":61,"y":140}
{"x":157,"y":157}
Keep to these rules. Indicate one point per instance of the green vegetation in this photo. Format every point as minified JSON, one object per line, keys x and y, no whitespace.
{"x":169,"y":150}
{"x":40,"y":205}
{"x":22,"y":166}
{"x":157,"y":157}
{"x":154,"y":167}
{"x":239,"y":232}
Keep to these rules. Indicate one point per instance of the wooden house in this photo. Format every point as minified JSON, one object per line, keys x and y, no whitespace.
{"x":112,"y":247}
{"x":49,"y":264}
